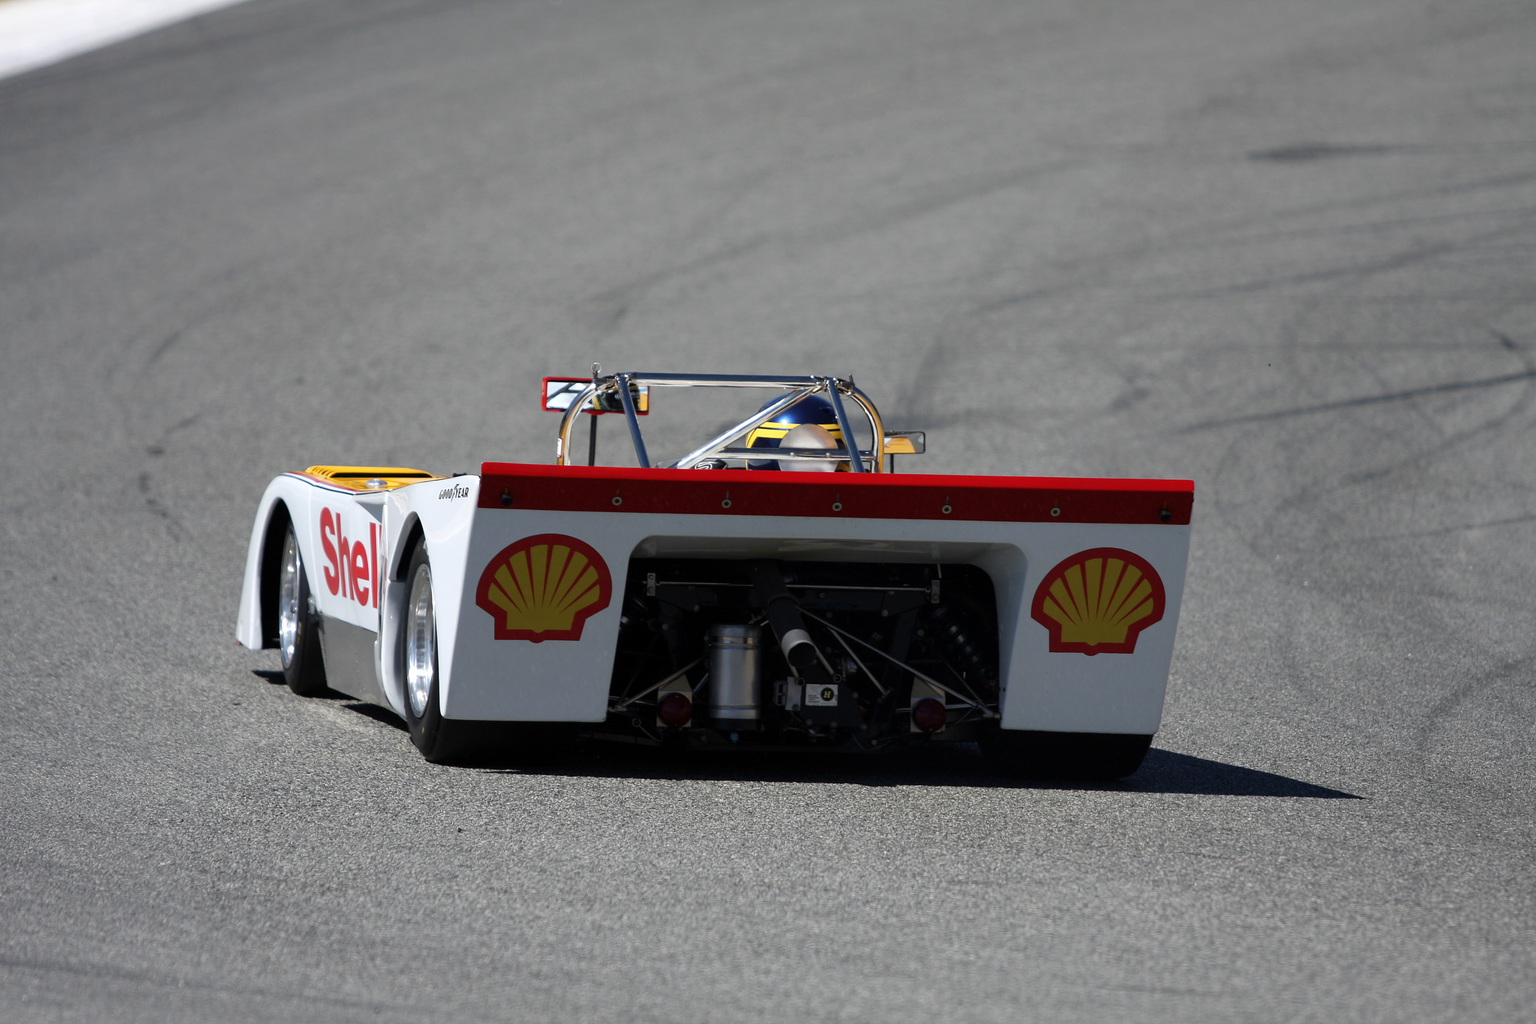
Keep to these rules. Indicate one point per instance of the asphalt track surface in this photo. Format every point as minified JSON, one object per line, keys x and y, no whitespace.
{"x":1285,"y":249}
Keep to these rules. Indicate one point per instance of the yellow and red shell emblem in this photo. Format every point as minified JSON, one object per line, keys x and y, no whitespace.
{"x":1098,"y":602}
{"x":544,"y":587}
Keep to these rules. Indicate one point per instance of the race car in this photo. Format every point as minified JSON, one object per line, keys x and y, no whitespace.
{"x":776,"y":587}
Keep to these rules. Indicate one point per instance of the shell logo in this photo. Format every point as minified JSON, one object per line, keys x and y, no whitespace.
{"x":544,"y":587}
{"x":1098,"y":602}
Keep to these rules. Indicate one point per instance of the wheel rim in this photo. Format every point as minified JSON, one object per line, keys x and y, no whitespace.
{"x":288,"y":597}
{"x":420,"y":644}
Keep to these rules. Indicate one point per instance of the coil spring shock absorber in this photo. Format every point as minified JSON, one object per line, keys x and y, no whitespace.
{"x":964,"y":654}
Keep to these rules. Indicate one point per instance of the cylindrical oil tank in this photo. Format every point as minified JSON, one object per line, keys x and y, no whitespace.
{"x":735,"y":673}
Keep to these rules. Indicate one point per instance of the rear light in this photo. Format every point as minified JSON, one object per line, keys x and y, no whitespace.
{"x":928,"y":714}
{"x":675,"y":710}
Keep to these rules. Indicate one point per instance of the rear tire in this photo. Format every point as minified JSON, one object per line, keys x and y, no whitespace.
{"x":298,"y":639}
{"x":1078,"y":756}
{"x":440,"y":740}
{"x":456,"y":741}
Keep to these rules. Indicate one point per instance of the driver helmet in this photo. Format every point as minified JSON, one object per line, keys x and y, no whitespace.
{"x":809,"y":423}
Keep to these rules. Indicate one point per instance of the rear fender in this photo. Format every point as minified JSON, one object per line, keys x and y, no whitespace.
{"x":439,"y":515}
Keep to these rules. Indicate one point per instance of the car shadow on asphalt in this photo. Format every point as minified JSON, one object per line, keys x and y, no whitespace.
{"x":942,"y":764}
{"x":274,"y":678}
{"x":938,"y":764}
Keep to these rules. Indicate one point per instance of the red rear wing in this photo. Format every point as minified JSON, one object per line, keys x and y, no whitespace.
{"x":735,"y":492}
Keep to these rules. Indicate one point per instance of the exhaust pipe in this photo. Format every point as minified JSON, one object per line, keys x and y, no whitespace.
{"x":825,"y":701}
{"x":773,"y":596}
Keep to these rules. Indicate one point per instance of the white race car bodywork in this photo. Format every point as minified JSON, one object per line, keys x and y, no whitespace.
{"x":354,"y":540}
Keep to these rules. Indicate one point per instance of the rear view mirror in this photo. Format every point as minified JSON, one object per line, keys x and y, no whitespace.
{"x":560,"y":392}
{"x":905,"y":442}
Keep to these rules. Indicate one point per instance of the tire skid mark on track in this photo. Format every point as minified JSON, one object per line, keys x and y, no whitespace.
{"x":1219,"y":233}
{"x":162,"y":981}
{"x":1508,"y":681}
{"x":1350,"y":403}
{"x":1457,"y":528}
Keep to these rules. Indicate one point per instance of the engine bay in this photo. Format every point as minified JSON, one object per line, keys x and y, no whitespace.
{"x":772,"y":653}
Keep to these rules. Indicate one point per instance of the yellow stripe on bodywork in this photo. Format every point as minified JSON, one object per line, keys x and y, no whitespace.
{"x":359,"y":478}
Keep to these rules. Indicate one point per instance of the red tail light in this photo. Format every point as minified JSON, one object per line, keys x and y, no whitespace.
{"x":929,"y":714}
{"x":675,"y":710}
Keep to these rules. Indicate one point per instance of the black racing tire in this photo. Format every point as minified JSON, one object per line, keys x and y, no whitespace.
{"x":440,"y":740}
{"x":1075,"y":756}
{"x":454,"y":741}
{"x":298,"y":634}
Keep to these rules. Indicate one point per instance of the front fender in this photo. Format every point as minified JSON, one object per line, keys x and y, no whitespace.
{"x":284,"y":496}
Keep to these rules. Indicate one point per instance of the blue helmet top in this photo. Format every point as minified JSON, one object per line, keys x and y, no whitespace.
{"x":812,"y":409}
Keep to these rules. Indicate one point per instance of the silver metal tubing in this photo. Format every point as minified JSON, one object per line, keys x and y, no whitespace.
{"x":723,"y":380}
{"x":563,"y":447}
{"x":862,"y":667}
{"x":903,"y":665}
{"x":793,"y":639}
{"x":700,"y":583}
{"x":854,"y":586}
{"x":634,"y":419}
{"x":875,"y":424}
{"x":801,"y":387}
{"x":656,"y":686}
{"x":799,"y":454}
{"x":758,"y":418}
{"x":855,"y":455}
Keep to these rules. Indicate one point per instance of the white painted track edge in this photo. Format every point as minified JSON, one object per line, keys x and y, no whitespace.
{"x":37,"y":33}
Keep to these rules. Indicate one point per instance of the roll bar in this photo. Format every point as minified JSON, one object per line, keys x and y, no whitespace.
{"x":617,"y":390}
